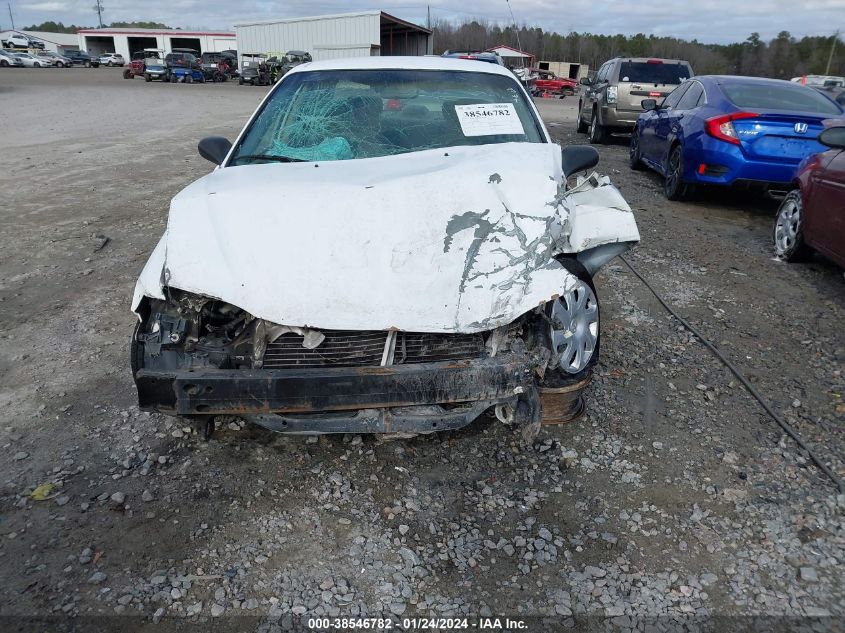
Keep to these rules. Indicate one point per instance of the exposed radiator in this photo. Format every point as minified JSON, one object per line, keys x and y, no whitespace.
{"x":366,"y":348}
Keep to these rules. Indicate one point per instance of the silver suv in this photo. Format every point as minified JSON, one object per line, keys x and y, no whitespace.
{"x":611,"y":100}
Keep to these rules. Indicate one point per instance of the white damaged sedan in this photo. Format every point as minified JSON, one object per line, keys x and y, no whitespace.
{"x":390,"y":245}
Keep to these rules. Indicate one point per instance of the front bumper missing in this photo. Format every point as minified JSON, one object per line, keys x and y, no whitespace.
{"x":466,"y":388}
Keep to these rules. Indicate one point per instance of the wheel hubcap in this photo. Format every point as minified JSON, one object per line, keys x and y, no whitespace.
{"x":786,"y":228}
{"x":575,"y":327}
{"x":672,"y":173}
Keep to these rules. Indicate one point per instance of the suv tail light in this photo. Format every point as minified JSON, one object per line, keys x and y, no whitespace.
{"x":722,"y":127}
{"x":612,"y":94}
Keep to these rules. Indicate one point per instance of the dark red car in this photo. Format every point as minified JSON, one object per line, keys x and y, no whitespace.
{"x":549,"y":82}
{"x":812,"y":217}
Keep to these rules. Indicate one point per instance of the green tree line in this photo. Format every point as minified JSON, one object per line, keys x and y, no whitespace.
{"x":783,"y":57}
{"x":58,"y":27}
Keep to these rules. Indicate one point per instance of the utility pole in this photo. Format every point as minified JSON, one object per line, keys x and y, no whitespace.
{"x":99,"y":9}
{"x":832,"y":47}
{"x":516,"y":30}
{"x":11,"y":17}
{"x":428,"y":16}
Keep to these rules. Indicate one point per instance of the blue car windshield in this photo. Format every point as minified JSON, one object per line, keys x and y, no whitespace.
{"x":350,"y":114}
{"x":778,"y":96}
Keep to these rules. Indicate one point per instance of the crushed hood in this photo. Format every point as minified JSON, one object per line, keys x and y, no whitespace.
{"x":456,"y":240}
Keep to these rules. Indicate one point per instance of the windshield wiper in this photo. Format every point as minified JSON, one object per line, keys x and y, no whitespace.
{"x":268,"y":157}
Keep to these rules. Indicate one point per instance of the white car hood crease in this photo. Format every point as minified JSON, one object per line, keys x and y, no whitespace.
{"x":454,"y":240}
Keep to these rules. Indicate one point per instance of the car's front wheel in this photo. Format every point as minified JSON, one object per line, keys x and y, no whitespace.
{"x":574,"y":318}
{"x":789,"y":235}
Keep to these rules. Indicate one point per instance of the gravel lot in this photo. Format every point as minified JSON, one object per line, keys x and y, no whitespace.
{"x":675,"y":499}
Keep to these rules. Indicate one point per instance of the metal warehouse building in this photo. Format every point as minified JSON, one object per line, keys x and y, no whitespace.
{"x":128,"y":40}
{"x":333,"y":36}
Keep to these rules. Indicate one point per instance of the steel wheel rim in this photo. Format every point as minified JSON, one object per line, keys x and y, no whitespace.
{"x":787,"y":226}
{"x":575,"y":327}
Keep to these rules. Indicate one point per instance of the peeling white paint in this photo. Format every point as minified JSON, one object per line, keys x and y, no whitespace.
{"x":455,"y":240}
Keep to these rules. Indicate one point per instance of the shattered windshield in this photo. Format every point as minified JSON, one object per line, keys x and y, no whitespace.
{"x":348,"y":114}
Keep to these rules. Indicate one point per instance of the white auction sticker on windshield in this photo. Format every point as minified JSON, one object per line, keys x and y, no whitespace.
{"x":485,"y":119}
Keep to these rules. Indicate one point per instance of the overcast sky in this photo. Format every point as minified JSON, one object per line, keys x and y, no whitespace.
{"x":718,"y":21}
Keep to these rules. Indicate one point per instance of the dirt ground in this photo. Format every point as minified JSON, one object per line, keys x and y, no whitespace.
{"x":674,"y":500}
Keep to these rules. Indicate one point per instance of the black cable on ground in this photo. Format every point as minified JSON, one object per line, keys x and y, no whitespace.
{"x":784,"y":425}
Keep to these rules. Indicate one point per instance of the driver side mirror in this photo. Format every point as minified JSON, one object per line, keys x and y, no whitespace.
{"x":649,"y":104}
{"x":585,"y":81}
{"x":214,"y":148}
{"x":575,"y":158}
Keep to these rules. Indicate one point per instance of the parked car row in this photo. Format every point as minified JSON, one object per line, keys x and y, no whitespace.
{"x":265,"y":69}
{"x":182,"y":65}
{"x":41,"y":59}
{"x":786,"y":138}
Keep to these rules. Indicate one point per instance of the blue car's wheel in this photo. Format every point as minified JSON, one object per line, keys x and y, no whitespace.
{"x":674,"y":187}
{"x":634,"y":154}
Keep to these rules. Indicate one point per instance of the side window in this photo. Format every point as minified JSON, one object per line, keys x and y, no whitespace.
{"x":690,"y":98}
{"x":675,"y":96}
{"x":602,"y":74}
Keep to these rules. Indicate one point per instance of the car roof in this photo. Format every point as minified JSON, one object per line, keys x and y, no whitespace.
{"x":404,"y":63}
{"x":664,"y":60}
{"x":742,"y":79}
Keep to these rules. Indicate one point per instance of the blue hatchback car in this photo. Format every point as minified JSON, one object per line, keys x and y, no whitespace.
{"x":730,"y":130}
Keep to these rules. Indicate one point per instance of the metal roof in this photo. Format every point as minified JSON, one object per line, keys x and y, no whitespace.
{"x":133,"y":31}
{"x":337,"y":16}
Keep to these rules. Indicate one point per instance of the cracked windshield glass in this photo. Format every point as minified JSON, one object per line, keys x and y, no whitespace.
{"x":363,"y":114}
